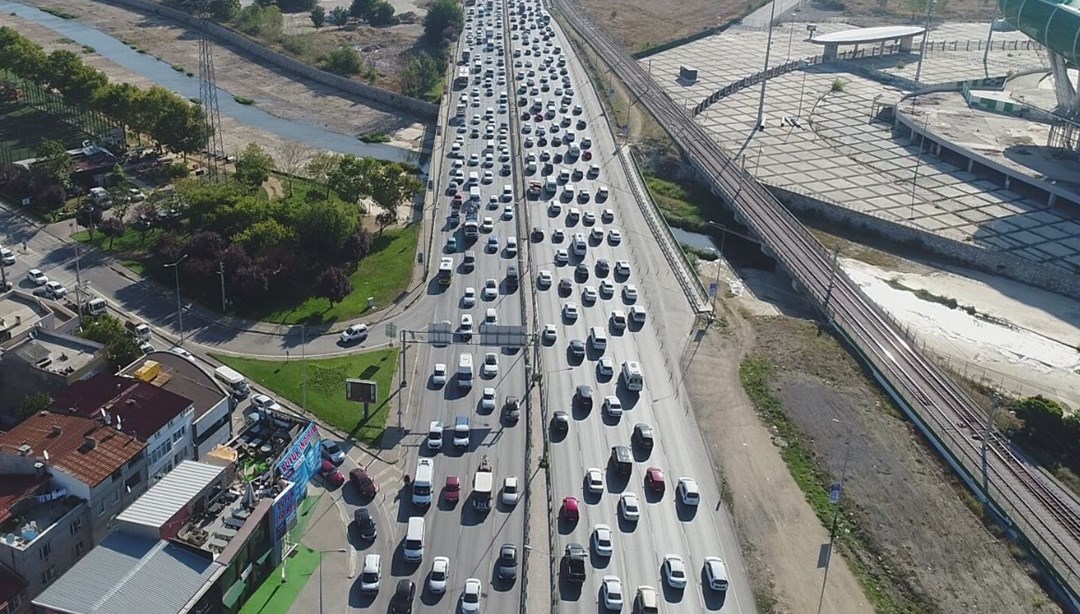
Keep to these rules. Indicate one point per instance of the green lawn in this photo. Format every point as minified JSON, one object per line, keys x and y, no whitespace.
{"x":326,"y":386}
{"x":275,"y":596}
{"x":23,"y":128}
{"x":383,"y":274}
{"x":684,"y":205}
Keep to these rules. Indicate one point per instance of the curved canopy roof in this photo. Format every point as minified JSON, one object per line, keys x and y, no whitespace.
{"x":1054,"y":24}
{"x":867,"y":35}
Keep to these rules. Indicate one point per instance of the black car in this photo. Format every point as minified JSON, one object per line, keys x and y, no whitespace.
{"x":565,"y":287}
{"x":643,"y":436}
{"x":403,"y":597}
{"x":365,"y":523}
{"x":577,"y":348}
{"x":621,"y":459}
{"x":583,"y":397}
{"x":581,"y":272}
{"x":512,"y":409}
{"x":506,"y":566}
{"x":603,"y":267}
{"x":560,"y":421}
{"x":537,"y":233}
{"x":573,"y":563}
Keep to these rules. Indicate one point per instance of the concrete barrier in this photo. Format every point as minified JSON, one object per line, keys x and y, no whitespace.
{"x":392,"y":101}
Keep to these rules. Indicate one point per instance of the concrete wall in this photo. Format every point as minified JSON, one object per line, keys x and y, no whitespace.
{"x":1047,"y":277}
{"x":226,"y":36}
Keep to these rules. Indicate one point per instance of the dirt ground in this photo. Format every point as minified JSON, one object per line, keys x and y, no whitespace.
{"x":279,"y":95}
{"x":644,"y":23}
{"x":927,"y":545}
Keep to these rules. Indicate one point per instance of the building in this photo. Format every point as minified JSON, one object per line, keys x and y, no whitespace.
{"x":64,"y":479}
{"x":212,"y":422}
{"x":92,"y":164}
{"x":161,"y":419}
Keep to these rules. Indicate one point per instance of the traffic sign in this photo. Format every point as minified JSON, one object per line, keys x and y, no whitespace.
{"x":361,"y":390}
{"x":391,"y":330}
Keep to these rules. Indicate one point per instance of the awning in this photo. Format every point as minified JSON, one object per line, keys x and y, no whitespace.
{"x":262,"y":559}
{"x":233,"y":594}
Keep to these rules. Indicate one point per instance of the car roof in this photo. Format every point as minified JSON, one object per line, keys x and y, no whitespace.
{"x":404,"y":587}
{"x":460,"y":420}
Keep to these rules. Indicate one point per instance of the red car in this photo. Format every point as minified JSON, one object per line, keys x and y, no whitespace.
{"x":570,"y":509}
{"x":331,"y":475}
{"x":362,"y":482}
{"x":654,"y":479}
{"x":452,"y":490}
{"x":586,"y":155}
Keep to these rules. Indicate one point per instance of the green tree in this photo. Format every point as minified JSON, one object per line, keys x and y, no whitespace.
{"x":384,"y":219}
{"x":263,"y":235}
{"x":382,"y":14}
{"x":339,"y":16}
{"x":33,"y":404}
{"x":54,"y":162}
{"x":323,"y":226}
{"x":343,"y":61}
{"x":318,"y":16}
{"x":20,"y":55}
{"x":422,"y":72}
{"x":444,"y":20}
{"x":253,"y":166}
{"x":333,"y":285}
{"x":391,"y":185}
{"x":224,"y":10}
{"x":121,"y":347}
{"x":262,"y":21}
{"x":361,"y":9}
{"x":321,"y":166}
{"x":296,"y":6}
{"x":351,"y":177}
{"x":78,"y":82}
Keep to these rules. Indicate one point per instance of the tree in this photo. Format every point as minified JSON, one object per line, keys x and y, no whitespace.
{"x":384,"y":219}
{"x":343,"y":61}
{"x":351,"y":177}
{"x":224,"y":10}
{"x":382,"y":14}
{"x":339,"y":16}
{"x":322,"y":228}
{"x":89,"y":216}
{"x":33,"y":404}
{"x":263,"y":235}
{"x":422,"y":72}
{"x":290,"y":159}
{"x":253,"y":166}
{"x":145,"y":213}
{"x":263,"y":21}
{"x":321,"y":166}
{"x":357,"y":246}
{"x":121,"y":347}
{"x":391,"y":185}
{"x":318,"y":16}
{"x":296,"y":6}
{"x":444,"y":20}
{"x":333,"y":285}
{"x":111,"y":227}
{"x":361,"y":9}
{"x":54,"y":162}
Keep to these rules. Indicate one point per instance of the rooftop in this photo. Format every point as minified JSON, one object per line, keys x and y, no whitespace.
{"x":19,"y":312}
{"x":84,"y":448}
{"x":120,"y":575}
{"x":867,"y":35}
{"x":57,"y":352}
{"x":170,"y":494}
{"x":30,"y":508}
{"x":15,"y":488}
{"x":180,"y":376}
{"x":137,"y":407}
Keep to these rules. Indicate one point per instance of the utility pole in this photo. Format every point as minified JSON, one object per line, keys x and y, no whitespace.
{"x":832,"y":279}
{"x":986,"y":52}
{"x":995,"y":405}
{"x":925,"y":38}
{"x":402,"y":380}
{"x":175,"y":266}
{"x":303,"y":368}
{"x":835,"y":500}
{"x":768,"y":49}
{"x":221,"y":272}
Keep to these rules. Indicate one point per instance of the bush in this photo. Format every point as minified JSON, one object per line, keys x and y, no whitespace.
{"x":177,"y":170}
{"x":343,"y":61}
{"x":243,"y":101}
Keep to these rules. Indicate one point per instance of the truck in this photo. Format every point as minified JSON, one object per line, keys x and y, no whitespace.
{"x":139,"y":329}
{"x":483,"y":481}
{"x":232,"y":380}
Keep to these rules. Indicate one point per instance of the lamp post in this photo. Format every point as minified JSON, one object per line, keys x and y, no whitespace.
{"x":175,"y":266}
{"x":78,"y":274}
{"x":221,"y":273}
{"x":835,"y":493}
{"x":925,"y":38}
{"x":768,"y":50}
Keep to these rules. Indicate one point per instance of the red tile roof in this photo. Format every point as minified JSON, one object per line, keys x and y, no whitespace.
{"x":15,"y":488}
{"x":142,"y":408}
{"x":81,"y":447}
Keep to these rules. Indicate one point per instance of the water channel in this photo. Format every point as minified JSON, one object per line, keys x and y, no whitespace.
{"x":164,"y":75}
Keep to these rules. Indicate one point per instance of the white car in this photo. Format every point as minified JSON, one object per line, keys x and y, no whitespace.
{"x":181,"y":352}
{"x":550,"y":334}
{"x":594,"y":480}
{"x":629,"y":293}
{"x":508,"y":212}
{"x":510,"y":492}
{"x":622,"y":267}
{"x":369,"y":577}
{"x":614,"y":237}
{"x":435,"y":435}
{"x":601,"y":540}
{"x":7,"y":257}
{"x":440,"y":574}
{"x":438,"y":375}
{"x":37,"y":277}
{"x":613,"y":595}
{"x":689,"y":493}
{"x":544,"y":279}
{"x":469,"y":298}
{"x":487,"y":399}
{"x":261,"y":401}
{"x":55,"y":289}
{"x":491,"y":290}
{"x":470,"y":596}
{"x":716,"y":573}
{"x":588,"y":294}
{"x":674,"y":571}
{"x":466,"y":323}
{"x":607,"y":289}
{"x":612,"y":406}
{"x":570,"y":312}
{"x":491,"y":364}
{"x":356,"y":332}
{"x":561,"y":257}
{"x":629,"y":507}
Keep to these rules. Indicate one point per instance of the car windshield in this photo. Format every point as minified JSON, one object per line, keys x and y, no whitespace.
{"x":369,"y":577}
{"x":470,"y":597}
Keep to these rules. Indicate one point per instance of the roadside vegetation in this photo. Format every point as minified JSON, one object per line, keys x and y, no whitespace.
{"x":324,"y":390}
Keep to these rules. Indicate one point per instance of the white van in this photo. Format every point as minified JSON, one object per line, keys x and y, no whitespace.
{"x":598,"y":338}
{"x":422,"y":483}
{"x":414,"y":540}
{"x":465,"y":370}
{"x":235,"y":382}
{"x":632,"y":377}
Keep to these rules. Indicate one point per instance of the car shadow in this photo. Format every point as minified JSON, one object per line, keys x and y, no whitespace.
{"x":360,"y":599}
{"x":569,"y":591}
{"x":399,"y":567}
{"x":685,"y":513}
{"x":427,"y":597}
{"x":616,"y":482}
{"x":653,"y":496}
{"x":640,"y":454}
{"x":566,"y":527}
{"x":597,"y":561}
{"x":626,"y":526}
{"x":672,"y":595}
{"x":628,"y":399}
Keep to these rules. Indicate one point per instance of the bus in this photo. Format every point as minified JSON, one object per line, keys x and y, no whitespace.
{"x":462,"y":80}
{"x":446,"y":271}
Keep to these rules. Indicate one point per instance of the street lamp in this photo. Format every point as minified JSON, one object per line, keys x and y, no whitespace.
{"x":175,"y":266}
{"x":835,"y":492}
{"x":925,"y":38}
{"x":78,"y":273}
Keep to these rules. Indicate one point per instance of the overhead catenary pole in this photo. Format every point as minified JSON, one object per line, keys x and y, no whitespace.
{"x":175,"y":266}
{"x":221,"y":272}
{"x":303,"y":368}
{"x":764,"y":81}
{"x":925,"y":39}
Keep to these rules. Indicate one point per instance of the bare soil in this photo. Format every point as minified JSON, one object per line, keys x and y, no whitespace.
{"x":639,"y":24}
{"x":890,"y":12}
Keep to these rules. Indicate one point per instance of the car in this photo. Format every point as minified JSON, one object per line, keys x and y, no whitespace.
{"x":331,"y":475}
{"x":365,"y":524}
{"x":434,"y":438}
{"x":629,"y":293}
{"x":561,"y":257}
{"x":647,"y":600}
{"x":439,"y":575}
{"x":588,"y":218}
{"x":491,"y":365}
{"x":612,"y":406}
{"x":452,"y":489}
{"x":466,"y":325}
{"x":629,"y":507}
{"x":549,"y":334}
{"x":7,"y":257}
{"x":510,"y":491}
{"x":468,"y":299}
{"x":507,"y":564}
{"x":612,"y":593}
{"x":576,"y":349}
{"x":491,"y":316}
{"x":557,"y":235}
{"x":607,"y":289}
{"x":618,"y":320}
{"x":588,"y":295}
{"x":474,"y":159}
{"x":654,"y":479}
{"x":493,"y":244}
{"x":673,"y":569}
{"x":594,"y":480}
{"x":354,"y":333}
{"x":570,"y":312}
{"x":581,"y":272}
{"x":512,"y":409}
{"x":614,"y":237}
{"x":135,"y":195}
{"x":560,"y":421}
{"x":332,"y":452}
{"x":583,"y":397}
{"x":451,"y":245}
{"x":596,"y":235}
{"x":363,"y":483}
{"x":487,"y":225}
{"x":37,"y":277}
{"x":603,"y":267}
{"x":544,"y":279}
{"x":404,"y":595}
{"x":607,"y":215}
{"x":605,"y":367}
{"x":715,"y":573}
{"x":372,"y":572}
{"x":470,"y":595}
{"x":622,"y":267}
{"x":491,"y":289}
{"x":261,"y":401}
{"x":569,"y":509}
{"x":643,"y":436}
{"x":537,"y":234}
{"x":487,"y":400}
{"x":565,"y":286}
{"x":438,"y":374}
{"x":689,"y":493}
{"x":601,"y":540}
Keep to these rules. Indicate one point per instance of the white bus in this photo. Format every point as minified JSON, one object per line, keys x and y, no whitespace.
{"x":462,"y":80}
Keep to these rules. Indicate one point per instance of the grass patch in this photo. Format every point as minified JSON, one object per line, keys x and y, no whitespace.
{"x":276,"y":597}
{"x":178,"y":68}
{"x":88,"y":49}
{"x":129,"y":244}
{"x":684,"y":205}
{"x":58,"y":13}
{"x":326,"y":386}
{"x":244,"y":101}
{"x":375,"y":137}
{"x":383,"y":274}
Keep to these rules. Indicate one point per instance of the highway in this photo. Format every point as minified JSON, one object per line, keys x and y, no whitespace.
{"x":1036,"y":505}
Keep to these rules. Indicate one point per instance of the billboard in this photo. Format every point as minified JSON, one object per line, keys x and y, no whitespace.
{"x":283,"y":512}
{"x":302,"y":460}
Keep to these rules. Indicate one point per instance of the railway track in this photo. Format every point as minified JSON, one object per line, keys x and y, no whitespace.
{"x":1031,"y":502}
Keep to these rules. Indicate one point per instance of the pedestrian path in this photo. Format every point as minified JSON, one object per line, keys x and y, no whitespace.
{"x":278,"y":592}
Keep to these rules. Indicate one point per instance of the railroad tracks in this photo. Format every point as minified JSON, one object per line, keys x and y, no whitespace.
{"x":1029,"y":502}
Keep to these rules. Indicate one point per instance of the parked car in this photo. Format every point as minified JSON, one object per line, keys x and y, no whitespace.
{"x":332,"y":452}
{"x":331,"y":475}
{"x":363,"y":483}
